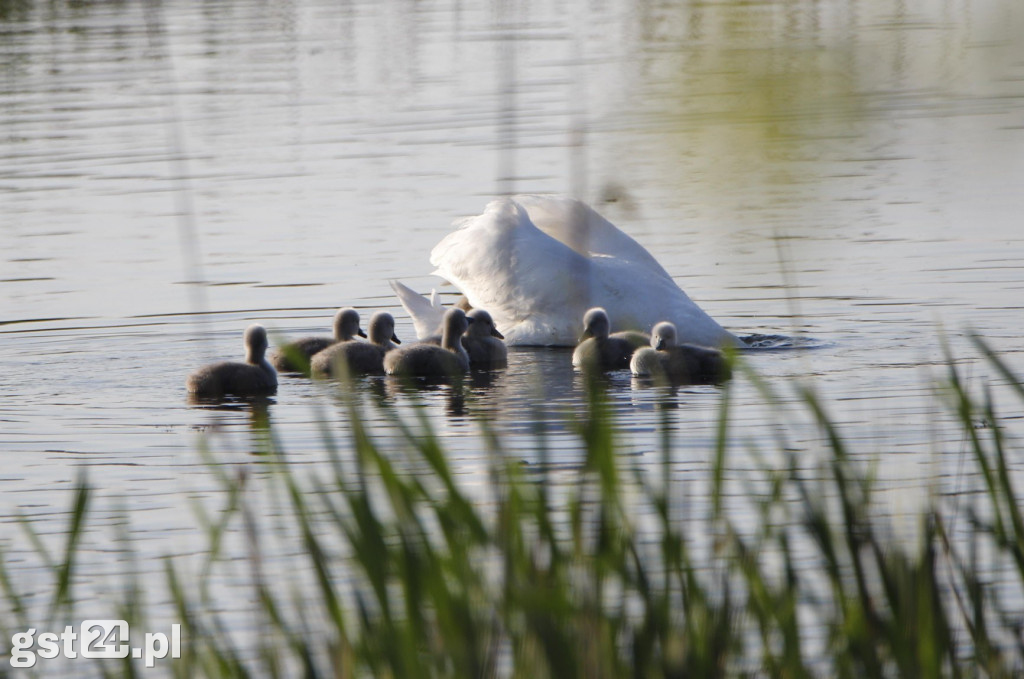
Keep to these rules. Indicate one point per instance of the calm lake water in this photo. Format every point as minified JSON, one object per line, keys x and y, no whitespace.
{"x":845,"y":170}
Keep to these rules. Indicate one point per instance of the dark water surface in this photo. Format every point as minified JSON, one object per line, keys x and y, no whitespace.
{"x":848,"y":171}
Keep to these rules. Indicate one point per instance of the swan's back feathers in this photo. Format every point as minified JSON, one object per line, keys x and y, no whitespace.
{"x":536,"y":286}
{"x":579,"y":226}
{"x":503,"y":263}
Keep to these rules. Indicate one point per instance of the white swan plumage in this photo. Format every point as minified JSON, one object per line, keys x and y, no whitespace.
{"x":427,"y":313}
{"x":537,"y":263}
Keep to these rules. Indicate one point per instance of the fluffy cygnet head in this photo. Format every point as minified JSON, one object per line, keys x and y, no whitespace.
{"x":255,"y":343}
{"x":482,"y":325}
{"x":596,"y":324}
{"x":455,"y":324}
{"x":346,"y":325}
{"x":663,"y":336}
{"x":382,"y":329}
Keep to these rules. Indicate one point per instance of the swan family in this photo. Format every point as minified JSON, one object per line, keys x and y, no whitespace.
{"x":529,"y":269}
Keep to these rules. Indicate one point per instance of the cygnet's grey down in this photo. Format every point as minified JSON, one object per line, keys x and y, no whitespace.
{"x":482,"y":341}
{"x":636,"y":339}
{"x":255,"y":377}
{"x":678,"y":363}
{"x":599,"y":349}
{"x":360,"y":358}
{"x":429,"y":360}
{"x":346,"y":327}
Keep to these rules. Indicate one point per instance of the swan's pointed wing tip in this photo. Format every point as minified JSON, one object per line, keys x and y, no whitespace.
{"x":426,"y":317}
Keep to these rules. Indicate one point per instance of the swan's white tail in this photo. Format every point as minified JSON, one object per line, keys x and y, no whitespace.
{"x":426,"y":314}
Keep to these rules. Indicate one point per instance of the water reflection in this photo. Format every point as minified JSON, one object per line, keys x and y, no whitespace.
{"x":421,"y":391}
{"x":321,"y":148}
{"x":256,"y":410}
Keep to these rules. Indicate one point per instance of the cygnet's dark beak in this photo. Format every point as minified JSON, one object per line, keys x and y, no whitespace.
{"x":394,"y":338}
{"x":361,"y":332}
{"x":495,"y":333}
{"x":469,"y":319}
{"x":661,"y":344}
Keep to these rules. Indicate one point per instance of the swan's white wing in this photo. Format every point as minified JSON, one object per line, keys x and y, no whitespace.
{"x":537,"y":288}
{"x":579,"y":226}
{"x":426,"y":313}
{"x":531,"y":284}
{"x":637,"y":299}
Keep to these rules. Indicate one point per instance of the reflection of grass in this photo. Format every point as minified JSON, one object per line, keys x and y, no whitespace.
{"x":401,"y":574}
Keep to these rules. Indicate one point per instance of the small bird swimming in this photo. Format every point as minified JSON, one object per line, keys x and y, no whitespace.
{"x":599,"y":349}
{"x":678,"y":364}
{"x":429,"y":360}
{"x":483,"y":343}
{"x":361,"y":358}
{"x":255,"y":377}
{"x":289,"y":357}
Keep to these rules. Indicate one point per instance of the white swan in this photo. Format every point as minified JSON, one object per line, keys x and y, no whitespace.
{"x":537,"y":263}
